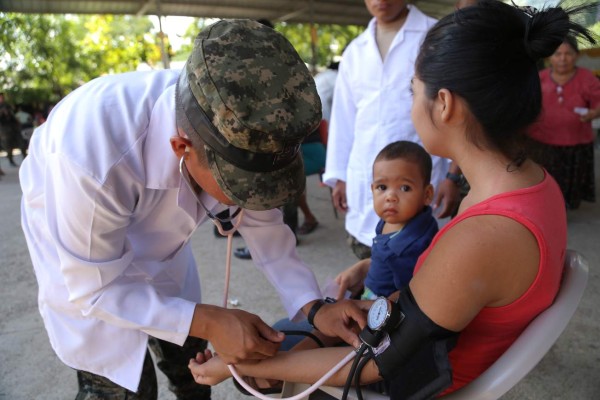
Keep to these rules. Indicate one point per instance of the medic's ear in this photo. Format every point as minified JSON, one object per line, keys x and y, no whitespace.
{"x":180,"y":145}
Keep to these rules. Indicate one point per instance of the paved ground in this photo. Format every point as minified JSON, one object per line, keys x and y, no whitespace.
{"x":30,"y":370}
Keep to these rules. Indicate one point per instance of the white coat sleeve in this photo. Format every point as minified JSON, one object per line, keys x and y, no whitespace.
{"x":341,"y":128}
{"x":89,"y":228}
{"x":273,"y":248}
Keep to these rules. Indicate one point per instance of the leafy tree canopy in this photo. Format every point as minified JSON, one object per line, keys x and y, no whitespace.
{"x":45,"y":56}
{"x":317,"y":44}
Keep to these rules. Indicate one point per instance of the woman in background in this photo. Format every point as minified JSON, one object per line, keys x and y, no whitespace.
{"x":564,"y":140}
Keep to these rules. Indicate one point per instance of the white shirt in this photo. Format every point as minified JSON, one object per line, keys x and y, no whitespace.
{"x":23,"y":117}
{"x":108,"y":220}
{"x":325,"y":83}
{"x":371,"y":108}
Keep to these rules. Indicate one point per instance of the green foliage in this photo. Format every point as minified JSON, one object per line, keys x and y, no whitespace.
{"x":44,"y":57}
{"x":190,"y":34}
{"x":330,"y":40}
{"x":585,"y":44}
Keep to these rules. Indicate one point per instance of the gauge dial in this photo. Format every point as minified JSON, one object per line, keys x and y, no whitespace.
{"x":378,"y":313}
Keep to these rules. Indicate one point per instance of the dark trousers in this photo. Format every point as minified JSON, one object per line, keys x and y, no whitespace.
{"x":172,"y":361}
{"x":290,"y":215}
{"x":361,"y":251}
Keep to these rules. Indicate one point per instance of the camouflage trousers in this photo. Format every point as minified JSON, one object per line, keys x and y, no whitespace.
{"x":360,"y":250}
{"x":172,"y":361}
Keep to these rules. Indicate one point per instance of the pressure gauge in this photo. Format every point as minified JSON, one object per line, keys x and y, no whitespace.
{"x":384,"y":315}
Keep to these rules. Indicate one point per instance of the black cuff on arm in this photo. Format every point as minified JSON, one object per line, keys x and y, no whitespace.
{"x":416,"y":362}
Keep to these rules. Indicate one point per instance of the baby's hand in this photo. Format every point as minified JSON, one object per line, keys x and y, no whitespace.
{"x":352,"y":278}
{"x":208,"y":369}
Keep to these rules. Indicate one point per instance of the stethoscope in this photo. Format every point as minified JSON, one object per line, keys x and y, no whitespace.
{"x":185,"y":175}
{"x":238,"y":214}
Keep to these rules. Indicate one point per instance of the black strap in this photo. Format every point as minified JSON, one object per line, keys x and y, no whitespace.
{"x":313,"y":311}
{"x":316,"y":307}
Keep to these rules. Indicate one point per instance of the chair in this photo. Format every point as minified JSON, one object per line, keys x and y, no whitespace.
{"x":521,"y":357}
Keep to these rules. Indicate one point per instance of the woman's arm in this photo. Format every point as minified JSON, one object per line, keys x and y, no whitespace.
{"x":483,"y":261}
{"x":305,"y":366}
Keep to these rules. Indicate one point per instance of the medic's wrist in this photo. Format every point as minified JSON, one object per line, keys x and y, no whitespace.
{"x":204,"y":317}
{"x":312,"y":313}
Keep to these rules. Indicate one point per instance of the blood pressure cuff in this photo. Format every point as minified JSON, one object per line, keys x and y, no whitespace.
{"x":415,"y":364}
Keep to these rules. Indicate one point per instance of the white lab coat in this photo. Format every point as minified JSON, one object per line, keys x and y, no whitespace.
{"x":108,"y":220}
{"x":371,"y":108}
{"x":325,"y":83}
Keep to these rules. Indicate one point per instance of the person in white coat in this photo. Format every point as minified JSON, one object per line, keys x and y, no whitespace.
{"x":371,"y":108}
{"x":123,"y":172}
{"x":325,"y":81}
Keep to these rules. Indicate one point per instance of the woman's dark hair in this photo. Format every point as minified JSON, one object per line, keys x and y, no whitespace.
{"x":487,"y":55}
{"x":408,"y":151}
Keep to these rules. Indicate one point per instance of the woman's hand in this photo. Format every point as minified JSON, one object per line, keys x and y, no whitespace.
{"x":208,"y":369}
{"x":352,"y":278}
{"x":590,"y":115}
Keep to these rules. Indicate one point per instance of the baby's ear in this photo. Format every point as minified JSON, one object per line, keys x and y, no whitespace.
{"x":428,"y":194}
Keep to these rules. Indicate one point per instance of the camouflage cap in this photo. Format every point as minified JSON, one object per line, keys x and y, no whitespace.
{"x":248,"y":95}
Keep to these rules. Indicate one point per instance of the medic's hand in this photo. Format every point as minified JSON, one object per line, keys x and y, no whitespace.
{"x":236,"y":335}
{"x":352,"y":278}
{"x":448,"y":197}
{"x":338,"y":196}
{"x":344,"y":319}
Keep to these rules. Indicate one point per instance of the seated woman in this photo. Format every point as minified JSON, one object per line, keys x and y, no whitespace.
{"x":498,"y":264}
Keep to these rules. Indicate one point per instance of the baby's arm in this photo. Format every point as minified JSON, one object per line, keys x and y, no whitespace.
{"x":353,"y":278}
{"x":305,"y":366}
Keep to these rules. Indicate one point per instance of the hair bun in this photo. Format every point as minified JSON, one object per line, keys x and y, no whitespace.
{"x":546,"y":29}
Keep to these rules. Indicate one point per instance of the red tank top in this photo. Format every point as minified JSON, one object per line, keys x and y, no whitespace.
{"x":541,"y":210}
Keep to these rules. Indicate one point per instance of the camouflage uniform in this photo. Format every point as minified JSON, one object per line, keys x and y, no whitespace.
{"x":172,"y":361}
{"x":361,"y":251}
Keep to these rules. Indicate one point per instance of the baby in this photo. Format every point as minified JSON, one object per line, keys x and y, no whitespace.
{"x":401,"y":197}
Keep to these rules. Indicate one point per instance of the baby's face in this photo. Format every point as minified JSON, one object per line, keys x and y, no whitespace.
{"x":399,"y":192}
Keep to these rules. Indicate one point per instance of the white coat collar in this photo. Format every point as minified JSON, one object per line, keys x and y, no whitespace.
{"x":416,"y":21}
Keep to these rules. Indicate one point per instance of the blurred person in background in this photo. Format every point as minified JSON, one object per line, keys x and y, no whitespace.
{"x":10,"y":132}
{"x":563,"y":136}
